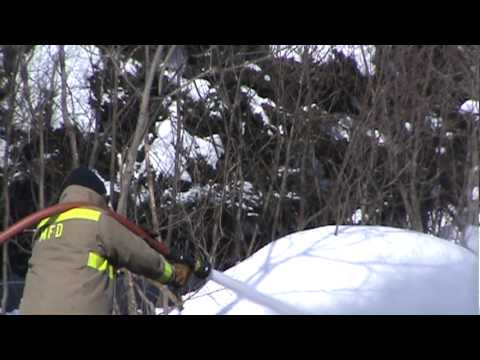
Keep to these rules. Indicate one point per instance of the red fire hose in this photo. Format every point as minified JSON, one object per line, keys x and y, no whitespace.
{"x":34,"y":218}
{"x":246,"y":291}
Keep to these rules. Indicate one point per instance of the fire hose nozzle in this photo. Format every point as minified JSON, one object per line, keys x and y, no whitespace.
{"x":199,"y":263}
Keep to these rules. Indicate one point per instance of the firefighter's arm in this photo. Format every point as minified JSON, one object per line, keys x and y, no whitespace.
{"x":127,"y":250}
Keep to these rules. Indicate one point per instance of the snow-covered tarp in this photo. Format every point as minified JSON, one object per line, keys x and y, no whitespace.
{"x":361,"y":270}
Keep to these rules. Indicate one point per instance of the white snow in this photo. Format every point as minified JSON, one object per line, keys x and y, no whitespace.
{"x":363,"y":270}
{"x":289,"y":195}
{"x":78,"y":59}
{"x":341,"y":131}
{"x":131,"y":66}
{"x":357,"y":216}
{"x":162,"y":152}
{"x":377,"y":135}
{"x":196,"y":89}
{"x":163,"y":148}
{"x":256,"y":103}
{"x":363,"y":54}
{"x":472,"y":235}
{"x":217,"y":193}
{"x":475,"y":193}
{"x":288,"y":51}
{"x":290,"y":171}
{"x":435,"y":122}
{"x":105,"y":182}
{"x":194,"y":194}
{"x":471,"y":107}
{"x":3,"y":144}
{"x":254,"y":67}
{"x":250,"y":197}
{"x":199,"y":89}
{"x":440,"y":150}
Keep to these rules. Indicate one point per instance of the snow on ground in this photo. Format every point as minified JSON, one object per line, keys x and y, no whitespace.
{"x":363,"y":270}
{"x":472,"y":236}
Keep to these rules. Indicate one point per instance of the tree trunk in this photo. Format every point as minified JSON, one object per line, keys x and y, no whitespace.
{"x":6,"y":219}
{"x":470,"y":217}
{"x":113,"y":152}
{"x":6,"y":174}
{"x":155,"y":223}
{"x":141,"y":128}
{"x":127,"y":171}
{"x":151,"y":190}
{"x":68,"y":124}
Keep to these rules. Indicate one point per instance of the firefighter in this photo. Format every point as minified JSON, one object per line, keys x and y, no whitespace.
{"x":76,"y":253}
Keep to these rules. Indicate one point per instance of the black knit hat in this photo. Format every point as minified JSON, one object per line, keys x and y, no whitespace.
{"x":83,"y":176}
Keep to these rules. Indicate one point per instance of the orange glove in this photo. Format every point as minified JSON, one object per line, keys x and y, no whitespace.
{"x":182,"y":273}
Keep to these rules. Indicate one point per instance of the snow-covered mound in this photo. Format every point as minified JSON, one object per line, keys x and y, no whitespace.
{"x":362,"y":270}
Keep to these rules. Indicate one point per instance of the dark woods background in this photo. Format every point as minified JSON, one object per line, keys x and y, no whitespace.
{"x":337,"y":145}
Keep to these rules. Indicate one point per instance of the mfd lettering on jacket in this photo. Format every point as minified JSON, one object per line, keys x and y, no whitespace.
{"x":51,"y":232}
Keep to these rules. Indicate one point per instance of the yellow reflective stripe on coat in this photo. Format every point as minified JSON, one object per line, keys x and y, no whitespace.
{"x":167,"y":273}
{"x":101,"y":264}
{"x":42,"y":223}
{"x":77,"y":213}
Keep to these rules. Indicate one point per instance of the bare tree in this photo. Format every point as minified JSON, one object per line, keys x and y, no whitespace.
{"x":305,"y":142}
{"x":39,"y":116}
{"x":12,"y":55}
{"x":138,"y":137}
{"x":6,"y":198}
{"x":66,"y":119}
{"x":140,"y":131}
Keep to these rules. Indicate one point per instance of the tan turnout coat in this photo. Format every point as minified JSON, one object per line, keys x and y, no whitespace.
{"x":75,"y":257}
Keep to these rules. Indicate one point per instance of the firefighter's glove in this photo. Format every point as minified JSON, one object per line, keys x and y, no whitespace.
{"x":199,"y":264}
{"x":181,"y":274}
